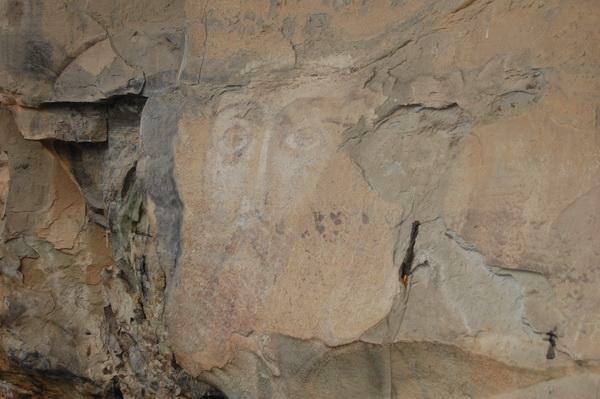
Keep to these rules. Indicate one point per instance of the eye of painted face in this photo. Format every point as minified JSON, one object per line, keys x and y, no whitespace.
{"x":236,"y":141}
{"x":303,"y":138}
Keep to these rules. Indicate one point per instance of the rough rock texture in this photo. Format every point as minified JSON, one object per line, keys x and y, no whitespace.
{"x":299,"y":199}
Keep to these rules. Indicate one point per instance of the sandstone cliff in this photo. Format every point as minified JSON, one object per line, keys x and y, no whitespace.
{"x":299,"y":198}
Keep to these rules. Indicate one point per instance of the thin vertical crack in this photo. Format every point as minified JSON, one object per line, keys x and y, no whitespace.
{"x":409,"y":257}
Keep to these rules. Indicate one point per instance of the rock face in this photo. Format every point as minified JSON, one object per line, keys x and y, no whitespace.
{"x":299,"y":199}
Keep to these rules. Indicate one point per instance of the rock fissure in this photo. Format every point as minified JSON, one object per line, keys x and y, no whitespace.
{"x":187,"y":188}
{"x":409,"y":256}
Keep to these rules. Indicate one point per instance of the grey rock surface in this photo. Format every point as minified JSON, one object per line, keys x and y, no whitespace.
{"x":299,"y":199}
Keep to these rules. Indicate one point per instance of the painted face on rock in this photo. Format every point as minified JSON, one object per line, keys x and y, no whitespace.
{"x":275,"y":215}
{"x":264,"y":158}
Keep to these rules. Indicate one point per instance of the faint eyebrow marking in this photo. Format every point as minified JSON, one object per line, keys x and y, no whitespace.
{"x":409,"y":257}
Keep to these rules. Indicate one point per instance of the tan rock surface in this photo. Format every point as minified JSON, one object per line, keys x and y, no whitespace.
{"x":277,"y":199}
{"x":234,"y":192}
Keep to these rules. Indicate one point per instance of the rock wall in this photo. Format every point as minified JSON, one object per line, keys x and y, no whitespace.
{"x":299,"y":198}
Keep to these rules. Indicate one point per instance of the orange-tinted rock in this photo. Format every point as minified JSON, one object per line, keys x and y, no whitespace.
{"x":292,"y":199}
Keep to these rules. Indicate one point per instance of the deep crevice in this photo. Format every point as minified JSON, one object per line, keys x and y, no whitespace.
{"x":409,"y":256}
{"x":551,"y":337}
{"x":108,"y":101}
{"x":113,"y":390}
{"x":194,"y":387}
{"x":128,"y":180}
{"x":32,"y":378}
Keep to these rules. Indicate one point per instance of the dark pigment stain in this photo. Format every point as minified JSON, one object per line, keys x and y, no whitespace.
{"x":37,"y":60}
{"x":365,"y":218}
{"x":318,"y":217}
{"x":336,"y":218}
{"x":14,"y":12}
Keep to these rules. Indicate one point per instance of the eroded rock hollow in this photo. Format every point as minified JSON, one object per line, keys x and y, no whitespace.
{"x":299,"y":199}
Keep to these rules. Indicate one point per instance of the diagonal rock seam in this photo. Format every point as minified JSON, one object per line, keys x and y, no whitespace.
{"x":409,"y":256}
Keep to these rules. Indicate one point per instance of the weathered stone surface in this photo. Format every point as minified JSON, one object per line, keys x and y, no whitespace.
{"x":65,"y":123}
{"x":4,"y":182}
{"x":292,"y":199}
{"x":38,"y":42}
{"x":96,"y":74}
{"x":252,"y":228}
